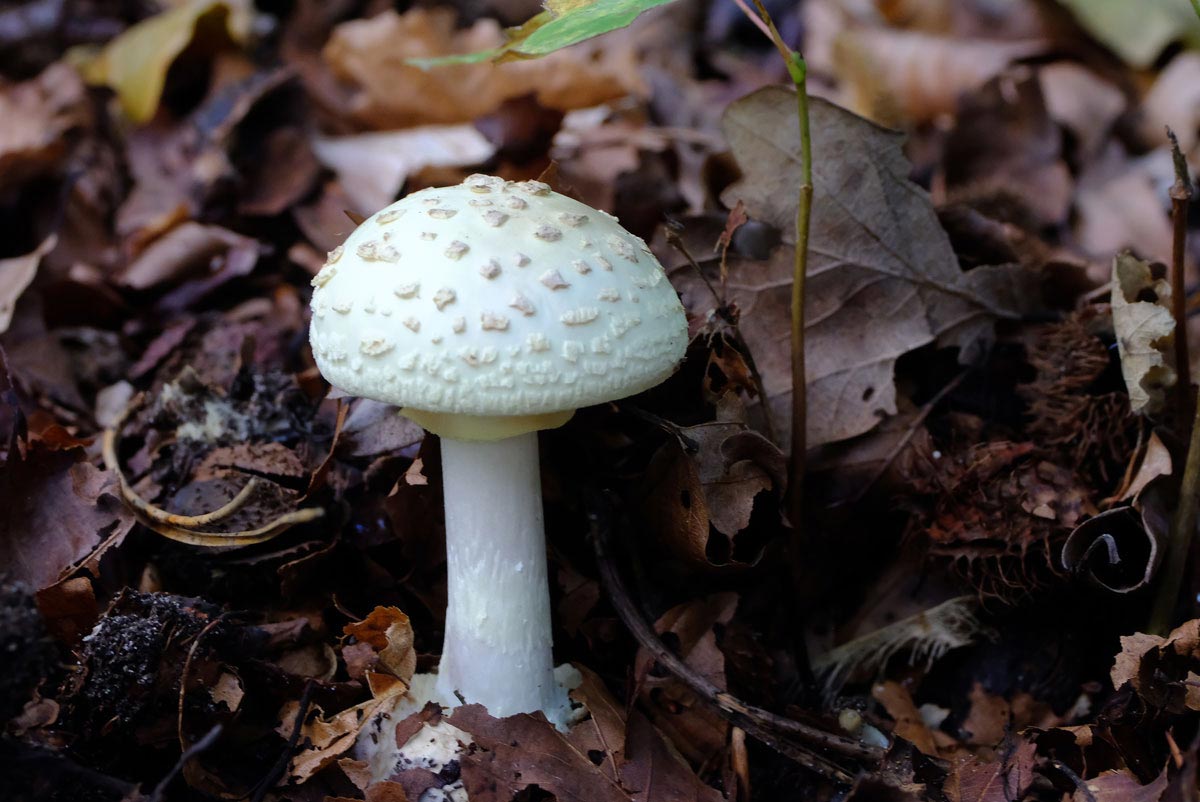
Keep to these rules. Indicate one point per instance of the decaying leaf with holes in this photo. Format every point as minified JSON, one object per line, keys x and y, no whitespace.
{"x":1141,"y":312}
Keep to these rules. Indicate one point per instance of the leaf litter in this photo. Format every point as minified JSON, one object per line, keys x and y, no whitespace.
{"x":995,"y":457}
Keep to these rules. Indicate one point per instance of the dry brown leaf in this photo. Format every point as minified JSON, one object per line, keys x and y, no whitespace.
{"x":1114,"y":550}
{"x":1145,"y":328}
{"x":185,"y":249}
{"x":390,"y":634}
{"x":135,"y":63}
{"x":910,"y":725}
{"x":699,"y":502}
{"x":15,"y":275}
{"x":604,"y":727}
{"x":372,"y":167}
{"x":1082,"y":102}
{"x":60,"y":509}
{"x":1174,"y":101}
{"x":895,"y":77}
{"x":691,"y":725}
{"x":1004,"y":154}
{"x":1162,"y":671}
{"x":513,"y":753}
{"x":372,"y":54}
{"x":1002,"y":780}
{"x":1121,"y":786}
{"x":327,"y":739}
{"x":989,"y":718}
{"x":37,"y":116}
{"x":1156,"y":462}
{"x":882,"y":277}
{"x":1119,"y":204}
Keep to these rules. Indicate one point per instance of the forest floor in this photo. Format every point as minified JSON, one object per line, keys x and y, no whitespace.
{"x":998,"y":405}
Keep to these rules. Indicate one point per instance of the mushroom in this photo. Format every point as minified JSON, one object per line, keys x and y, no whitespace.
{"x":488,"y":311}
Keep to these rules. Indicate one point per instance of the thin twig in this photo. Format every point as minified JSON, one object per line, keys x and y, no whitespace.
{"x":183,"y":676}
{"x":281,"y":763}
{"x":676,"y":242}
{"x":754,"y":720}
{"x":1181,"y":194}
{"x":930,"y":405}
{"x":199,"y":746}
{"x":1080,"y":785}
{"x":1183,"y":524}
{"x":762,"y":26}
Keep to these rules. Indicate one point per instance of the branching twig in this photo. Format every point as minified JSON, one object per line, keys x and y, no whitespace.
{"x":762,"y":724}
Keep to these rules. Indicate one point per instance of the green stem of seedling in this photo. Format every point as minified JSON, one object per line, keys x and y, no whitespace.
{"x":798,"y":70}
{"x":1196,"y":6}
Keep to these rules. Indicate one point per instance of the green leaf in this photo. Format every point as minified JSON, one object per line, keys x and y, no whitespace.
{"x":565,"y":23}
{"x":1138,"y":30}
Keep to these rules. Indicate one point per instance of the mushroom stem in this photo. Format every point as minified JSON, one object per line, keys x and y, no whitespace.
{"x":497,"y":650}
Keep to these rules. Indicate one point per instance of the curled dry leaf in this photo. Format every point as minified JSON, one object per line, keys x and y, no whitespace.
{"x":135,"y":63}
{"x":882,"y":276}
{"x":1141,"y":312}
{"x":373,"y":54}
{"x":1114,"y":550}
{"x":327,"y":739}
{"x":388,"y":631}
{"x":700,"y":502}
{"x":1120,"y":549}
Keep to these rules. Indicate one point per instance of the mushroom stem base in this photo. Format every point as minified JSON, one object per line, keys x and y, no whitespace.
{"x":497,"y":650}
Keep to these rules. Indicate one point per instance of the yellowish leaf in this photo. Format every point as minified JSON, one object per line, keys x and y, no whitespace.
{"x":1141,"y":312}
{"x":135,"y":64}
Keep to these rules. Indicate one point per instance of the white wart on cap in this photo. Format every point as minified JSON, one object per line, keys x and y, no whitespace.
{"x":494,"y":298}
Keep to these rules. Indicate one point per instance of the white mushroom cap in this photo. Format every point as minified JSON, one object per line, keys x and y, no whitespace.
{"x":494,"y":298}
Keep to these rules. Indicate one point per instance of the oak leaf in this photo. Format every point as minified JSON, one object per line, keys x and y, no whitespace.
{"x":882,"y":276}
